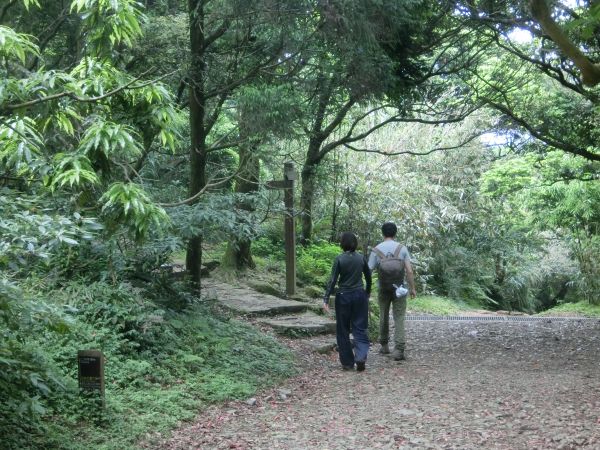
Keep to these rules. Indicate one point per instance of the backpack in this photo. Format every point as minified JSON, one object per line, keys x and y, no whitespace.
{"x":391,"y":269}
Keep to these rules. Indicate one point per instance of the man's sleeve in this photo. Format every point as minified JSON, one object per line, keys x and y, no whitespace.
{"x":372,"y":260}
{"x":404,"y":254}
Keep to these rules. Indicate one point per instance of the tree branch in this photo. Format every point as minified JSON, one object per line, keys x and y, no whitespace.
{"x":211,"y":184}
{"x":409,"y":152}
{"x":212,"y":119}
{"x":216,"y":35}
{"x":590,"y":72}
{"x":561,"y":145}
{"x":339,"y":117}
{"x":129,"y":85}
{"x":547,"y":68}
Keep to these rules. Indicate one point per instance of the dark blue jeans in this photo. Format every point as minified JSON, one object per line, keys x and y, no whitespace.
{"x":352,"y":314}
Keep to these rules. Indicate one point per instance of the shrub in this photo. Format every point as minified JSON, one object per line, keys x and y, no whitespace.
{"x":315,"y":261}
{"x":162,"y":365}
{"x":27,"y":378}
{"x":268,"y":248}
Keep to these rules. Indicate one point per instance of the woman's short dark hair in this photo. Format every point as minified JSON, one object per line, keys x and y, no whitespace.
{"x":348,"y":242}
{"x":389,"y":229}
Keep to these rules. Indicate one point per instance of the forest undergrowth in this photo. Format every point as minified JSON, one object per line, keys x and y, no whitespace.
{"x":163,"y":365}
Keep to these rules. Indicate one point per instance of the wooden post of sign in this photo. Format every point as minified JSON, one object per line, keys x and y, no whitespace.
{"x":289,"y":176}
{"x":287,"y":184}
{"x":91,"y":371}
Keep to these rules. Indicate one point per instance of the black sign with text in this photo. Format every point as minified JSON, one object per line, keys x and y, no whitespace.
{"x":91,"y":370}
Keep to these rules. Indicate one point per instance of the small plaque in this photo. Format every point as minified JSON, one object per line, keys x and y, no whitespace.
{"x":91,"y":370}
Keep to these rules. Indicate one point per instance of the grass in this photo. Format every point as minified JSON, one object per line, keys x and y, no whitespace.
{"x":582,"y":308}
{"x":438,"y":306}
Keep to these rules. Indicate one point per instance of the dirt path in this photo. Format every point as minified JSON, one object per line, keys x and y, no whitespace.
{"x":466,"y":385}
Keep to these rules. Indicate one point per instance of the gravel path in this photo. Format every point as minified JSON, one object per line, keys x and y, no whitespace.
{"x":466,"y":385}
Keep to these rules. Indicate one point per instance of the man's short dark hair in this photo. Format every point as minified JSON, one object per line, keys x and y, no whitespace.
{"x":389,"y":229}
{"x":348,"y":242}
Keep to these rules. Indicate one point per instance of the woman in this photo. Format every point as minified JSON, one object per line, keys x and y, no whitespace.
{"x":351,"y":303}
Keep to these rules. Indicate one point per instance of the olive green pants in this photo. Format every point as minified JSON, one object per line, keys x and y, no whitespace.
{"x":398,"y":311}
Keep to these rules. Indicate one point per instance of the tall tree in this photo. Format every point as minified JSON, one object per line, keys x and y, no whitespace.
{"x":232,"y":43}
{"x":380,"y":72}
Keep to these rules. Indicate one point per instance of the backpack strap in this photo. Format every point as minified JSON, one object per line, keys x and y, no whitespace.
{"x":378,"y":252}
{"x":397,"y":251}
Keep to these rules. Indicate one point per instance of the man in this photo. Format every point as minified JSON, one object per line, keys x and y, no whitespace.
{"x":393,"y":263}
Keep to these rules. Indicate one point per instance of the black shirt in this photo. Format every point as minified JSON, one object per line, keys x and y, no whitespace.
{"x":349,"y":267}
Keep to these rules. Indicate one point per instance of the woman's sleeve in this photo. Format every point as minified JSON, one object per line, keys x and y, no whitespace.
{"x":367,"y":274}
{"x":335,"y":273}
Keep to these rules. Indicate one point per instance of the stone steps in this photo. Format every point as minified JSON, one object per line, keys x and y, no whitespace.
{"x":288,"y":317}
{"x":301,"y":324}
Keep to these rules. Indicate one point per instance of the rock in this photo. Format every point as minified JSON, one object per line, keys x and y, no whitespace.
{"x":244,"y":301}
{"x":251,"y":401}
{"x":321,"y":345}
{"x":305,"y":324}
{"x":284,"y":394}
{"x":267,"y":288}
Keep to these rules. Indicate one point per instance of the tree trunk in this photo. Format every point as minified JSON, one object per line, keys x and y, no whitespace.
{"x":307,"y":194}
{"x":198,"y":153}
{"x":333,"y":235}
{"x":306,"y":203}
{"x":239,"y":253}
{"x":313,"y":158}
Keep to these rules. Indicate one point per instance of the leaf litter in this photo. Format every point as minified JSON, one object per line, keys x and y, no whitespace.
{"x":507,"y":386}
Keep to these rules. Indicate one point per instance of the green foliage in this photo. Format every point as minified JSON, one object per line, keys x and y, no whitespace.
{"x":109,"y":22}
{"x":85,"y":137}
{"x":268,"y":248}
{"x":315,"y":261}
{"x":27,"y":378}
{"x":83,"y":129}
{"x":374,"y":314}
{"x":74,"y":170}
{"x":559,"y":195}
{"x":218,"y":217}
{"x":162,"y":366}
{"x":128,"y":203}
{"x":110,"y":139}
{"x":582,"y":308}
{"x":20,"y":145}
{"x":436,"y":305}
{"x":16,"y":45}
{"x":32,"y":235}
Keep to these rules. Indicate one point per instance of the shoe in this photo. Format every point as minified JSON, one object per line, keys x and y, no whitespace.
{"x":360,"y":366}
{"x":398,"y":355}
{"x":348,"y":367}
{"x":384,"y":350}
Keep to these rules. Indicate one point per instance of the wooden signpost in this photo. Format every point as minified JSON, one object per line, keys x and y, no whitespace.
{"x":287,"y":184}
{"x":91,"y":371}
